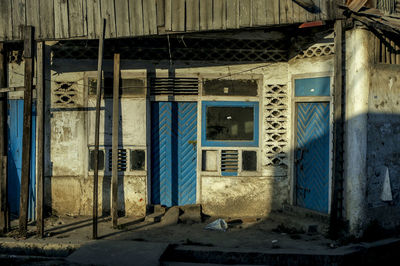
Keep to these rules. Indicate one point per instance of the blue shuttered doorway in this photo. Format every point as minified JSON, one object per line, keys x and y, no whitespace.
{"x":312,"y":156}
{"x":173,"y":155}
{"x":15,"y":131}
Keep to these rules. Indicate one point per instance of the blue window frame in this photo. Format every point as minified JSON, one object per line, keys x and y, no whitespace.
{"x":247,"y":137}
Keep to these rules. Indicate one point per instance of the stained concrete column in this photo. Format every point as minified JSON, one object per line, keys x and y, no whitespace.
{"x":358,"y":77}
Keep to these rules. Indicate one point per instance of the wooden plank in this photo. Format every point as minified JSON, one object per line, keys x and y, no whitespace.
{"x":296,"y":13}
{"x":377,"y":48}
{"x":289,"y":11}
{"x":337,"y":174}
{"x":277,"y":14}
{"x":150,"y":17}
{"x":97,"y":129}
{"x":108,"y":13}
{"x":40,"y":138}
{"x":5,"y":20}
{"x":93,"y":18}
{"x":232,"y":14}
{"x":192,"y":15}
{"x":18,"y":18}
{"x":115,"y":127}
{"x":325,"y":12}
{"x":387,"y":45}
{"x":160,"y":5}
{"x":61,"y":29}
{"x":269,"y":12}
{"x":219,"y":16}
{"x":397,"y":54}
{"x":259,"y":13}
{"x":245,"y":13}
{"x":178,"y":15}
{"x":46,"y":20}
{"x":122,"y":18}
{"x":27,"y":131}
{"x":3,"y":143}
{"x":32,"y":15}
{"x":84,"y":11}
{"x":76,"y":24}
{"x":206,"y":19}
{"x":392,"y":52}
{"x":136,"y":17}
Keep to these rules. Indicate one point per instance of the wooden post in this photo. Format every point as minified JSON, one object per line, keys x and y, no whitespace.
{"x":97,"y":127}
{"x":337,"y":176}
{"x":115,"y":126}
{"x":27,"y":130}
{"x":3,"y":144}
{"x":40,"y":141}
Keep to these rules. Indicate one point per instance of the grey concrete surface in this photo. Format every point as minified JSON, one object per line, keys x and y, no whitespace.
{"x":111,"y":252}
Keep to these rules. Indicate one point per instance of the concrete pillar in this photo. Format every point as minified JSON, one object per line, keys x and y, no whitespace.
{"x":358,"y":76}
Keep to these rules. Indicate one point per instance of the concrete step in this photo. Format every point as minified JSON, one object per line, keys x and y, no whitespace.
{"x":302,"y":220}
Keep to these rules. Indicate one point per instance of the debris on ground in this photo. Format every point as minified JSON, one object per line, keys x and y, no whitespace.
{"x":217,"y":225}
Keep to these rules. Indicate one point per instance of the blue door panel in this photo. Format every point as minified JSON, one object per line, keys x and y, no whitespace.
{"x":187,"y":159}
{"x":173,"y":155}
{"x":312,"y":156}
{"x":14,"y":164}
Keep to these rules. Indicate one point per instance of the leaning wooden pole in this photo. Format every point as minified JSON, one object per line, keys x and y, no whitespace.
{"x":115,"y":126}
{"x":97,"y":128}
{"x":3,"y":144}
{"x":40,"y":138}
{"x":27,"y":131}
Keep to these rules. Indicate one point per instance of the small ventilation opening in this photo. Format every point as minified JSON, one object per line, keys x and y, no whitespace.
{"x":229,"y":162}
{"x":174,"y":86}
{"x":122,"y":160}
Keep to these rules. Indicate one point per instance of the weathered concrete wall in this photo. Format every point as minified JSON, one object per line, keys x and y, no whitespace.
{"x":384,"y":144}
{"x":358,"y":78}
{"x":71,"y":133}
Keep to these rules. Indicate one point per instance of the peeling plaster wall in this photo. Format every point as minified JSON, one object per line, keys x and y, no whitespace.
{"x":384,"y":144}
{"x":69,"y":184}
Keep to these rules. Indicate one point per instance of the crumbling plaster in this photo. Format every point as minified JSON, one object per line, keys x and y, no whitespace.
{"x":384,"y":144}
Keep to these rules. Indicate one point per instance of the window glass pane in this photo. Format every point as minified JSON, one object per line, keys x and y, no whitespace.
{"x":138,"y":159}
{"x":249,"y":161}
{"x":241,"y":87}
{"x":229,"y":123}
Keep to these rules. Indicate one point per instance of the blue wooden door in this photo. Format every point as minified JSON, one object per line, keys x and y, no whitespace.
{"x":312,"y":156}
{"x":173,"y":155}
{"x":14,"y":164}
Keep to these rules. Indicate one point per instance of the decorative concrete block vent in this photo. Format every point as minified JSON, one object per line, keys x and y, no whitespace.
{"x":65,"y":94}
{"x":276,"y":129}
{"x":319,"y":49}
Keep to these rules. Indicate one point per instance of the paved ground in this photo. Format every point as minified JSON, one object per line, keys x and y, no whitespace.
{"x":139,"y":242}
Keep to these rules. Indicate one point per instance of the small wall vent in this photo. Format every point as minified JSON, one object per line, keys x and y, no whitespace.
{"x":174,"y":86}
{"x":229,"y":162}
{"x":122,"y":160}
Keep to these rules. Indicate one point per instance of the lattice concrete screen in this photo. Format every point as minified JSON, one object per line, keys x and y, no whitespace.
{"x":276,"y":125}
{"x":65,"y":94}
{"x":319,"y":49}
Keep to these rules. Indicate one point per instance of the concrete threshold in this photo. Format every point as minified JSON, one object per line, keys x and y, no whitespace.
{"x":384,"y":252}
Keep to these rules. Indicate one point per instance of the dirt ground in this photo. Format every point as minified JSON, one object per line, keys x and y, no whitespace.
{"x":254,"y":234}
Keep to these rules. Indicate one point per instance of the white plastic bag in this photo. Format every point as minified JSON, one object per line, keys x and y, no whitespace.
{"x":218,"y":225}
